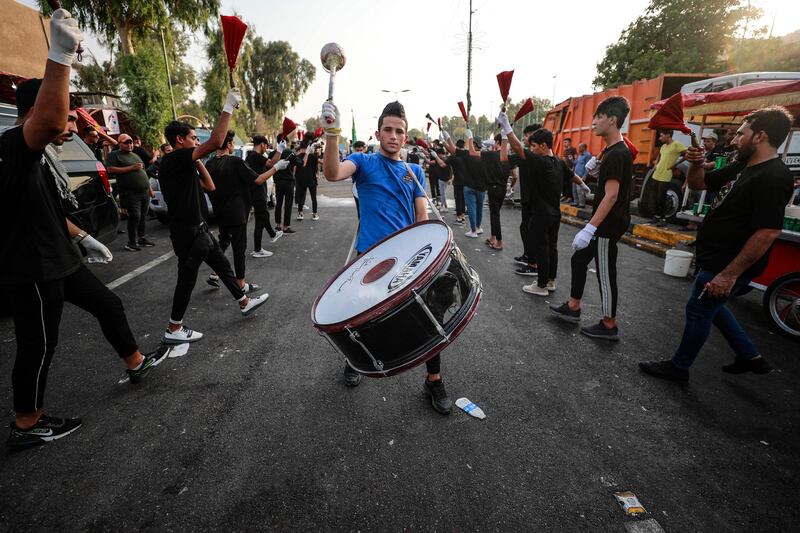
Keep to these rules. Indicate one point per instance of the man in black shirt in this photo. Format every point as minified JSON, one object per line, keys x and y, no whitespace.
{"x":497,"y":173}
{"x":192,"y":241}
{"x":306,"y":177}
{"x":440,"y":173}
{"x":459,"y":171}
{"x":610,"y":218}
{"x":258,"y":197}
{"x":735,"y":240}
{"x":474,"y":180}
{"x":233,"y":181}
{"x":284,"y":186}
{"x":41,"y":268}
{"x":527,"y":260}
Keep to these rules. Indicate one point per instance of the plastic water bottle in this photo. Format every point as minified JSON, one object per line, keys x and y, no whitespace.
{"x":470,"y":408}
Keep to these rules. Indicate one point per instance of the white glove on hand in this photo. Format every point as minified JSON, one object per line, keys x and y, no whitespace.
{"x":281,"y":147}
{"x":446,"y":136}
{"x":96,"y":252}
{"x":282,"y":164}
{"x":64,"y":37}
{"x":583,"y":238}
{"x":469,"y":133}
{"x":329,"y":119}
{"x":502,"y":121}
{"x":233,"y":101}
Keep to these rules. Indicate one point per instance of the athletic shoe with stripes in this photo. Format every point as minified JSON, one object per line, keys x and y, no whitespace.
{"x":151,"y":360}
{"x":47,"y":429}
{"x":181,"y":335}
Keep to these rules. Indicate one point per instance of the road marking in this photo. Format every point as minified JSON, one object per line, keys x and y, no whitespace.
{"x":139,"y":271}
{"x":644,"y":526}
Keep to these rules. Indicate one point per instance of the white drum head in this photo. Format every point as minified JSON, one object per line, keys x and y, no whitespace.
{"x":381,"y":272}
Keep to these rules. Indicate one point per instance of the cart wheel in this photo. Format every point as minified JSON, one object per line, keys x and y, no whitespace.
{"x":782,"y":305}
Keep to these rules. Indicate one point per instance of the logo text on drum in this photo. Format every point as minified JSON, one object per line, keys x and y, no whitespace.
{"x":410,"y":267}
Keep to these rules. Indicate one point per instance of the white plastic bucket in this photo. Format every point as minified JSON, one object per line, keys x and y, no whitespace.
{"x":677,"y":263}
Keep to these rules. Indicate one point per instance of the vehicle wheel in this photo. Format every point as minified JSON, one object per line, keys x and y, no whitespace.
{"x":674,"y":198}
{"x":782,"y":305}
{"x":647,"y":206}
{"x":162,"y":217}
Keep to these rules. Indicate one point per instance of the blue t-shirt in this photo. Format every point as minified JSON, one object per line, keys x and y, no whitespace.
{"x":580,"y":164}
{"x":385,"y":196}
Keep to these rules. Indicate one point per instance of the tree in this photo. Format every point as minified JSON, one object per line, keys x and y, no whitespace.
{"x":772,"y":55}
{"x":94,"y":77}
{"x":125,"y":20}
{"x":311,"y":124}
{"x":674,"y":36}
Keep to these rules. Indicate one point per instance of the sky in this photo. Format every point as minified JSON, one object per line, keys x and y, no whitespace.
{"x":421,"y":46}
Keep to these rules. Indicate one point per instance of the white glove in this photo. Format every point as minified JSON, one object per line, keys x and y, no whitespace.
{"x":281,"y":147}
{"x":502,"y":121}
{"x":329,"y":119}
{"x":233,"y":101}
{"x":96,"y":251}
{"x":469,"y":133}
{"x":583,"y":238}
{"x":280,"y":165}
{"x":445,"y":136}
{"x":585,"y":188}
{"x":65,"y":35}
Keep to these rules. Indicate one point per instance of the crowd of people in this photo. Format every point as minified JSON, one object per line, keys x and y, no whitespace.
{"x":42,"y":270}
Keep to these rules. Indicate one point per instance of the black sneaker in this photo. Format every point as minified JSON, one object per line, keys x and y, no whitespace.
{"x":439,"y":400}
{"x":133,"y":247}
{"x":565,"y":313}
{"x":213,"y":280}
{"x":351,"y":377}
{"x":527,"y":270}
{"x":599,"y":331}
{"x":741,"y":365}
{"x":150,"y":360}
{"x":521,"y":260}
{"x":47,"y":429}
{"x":289,"y":231}
{"x":143,"y":241}
{"x":665,"y":370}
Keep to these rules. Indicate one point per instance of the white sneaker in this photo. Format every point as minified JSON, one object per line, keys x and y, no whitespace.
{"x":315,"y":217}
{"x":551,"y":285}
{"x":471,"y":234}
{"x":300,"y":216}
{"x":262,"y":252}
{"x":533,"y":288}
{"x":254,"y":303}
{"x":479,"y":231}
{"x":443,"y":210}
{"x":181,"y":336}
{"x":278,"y":235}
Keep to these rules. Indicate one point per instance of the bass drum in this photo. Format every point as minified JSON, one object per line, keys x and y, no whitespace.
{"x":401,"y":302}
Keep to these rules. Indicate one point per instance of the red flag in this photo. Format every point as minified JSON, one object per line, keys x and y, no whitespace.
{"x":526,"y":108}
{"x":318,"y":133}
{"x":670,"y":116}
{"x":463,"y":111}
{"x":504,"y":82}
{"x":422,"y":143}
{"x":86,"y":117}
{"x":288,"y":127}
{"x":630,"y":146}
{"x":439,"y":123}
{"x":427,"y":127}
{"x":233,"y":30}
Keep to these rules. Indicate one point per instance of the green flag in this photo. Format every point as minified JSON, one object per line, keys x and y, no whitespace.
{"x":354,"y":126}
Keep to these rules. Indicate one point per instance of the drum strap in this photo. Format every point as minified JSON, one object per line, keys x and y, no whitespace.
{"x":430,"y":202}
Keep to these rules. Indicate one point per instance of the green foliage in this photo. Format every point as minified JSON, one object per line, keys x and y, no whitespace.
{"x":414,"y":133}
{"x":94,"y":77}
{"x":775,"y":54}
{"x":673,"y":36}
{"x":311,"y":124}
{"x":148,"y":98}
{"x":485,"y":127}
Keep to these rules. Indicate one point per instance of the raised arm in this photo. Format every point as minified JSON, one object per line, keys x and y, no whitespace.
{"x":507,"y":132}
{"x":221,"y":129}
{"x":696,"y":175}
{"x":332,"y":169}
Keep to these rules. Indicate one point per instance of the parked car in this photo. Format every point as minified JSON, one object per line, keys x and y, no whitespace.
{"x":88,"y":180}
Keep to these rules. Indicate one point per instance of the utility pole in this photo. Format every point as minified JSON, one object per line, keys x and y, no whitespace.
{"x":469,"y":60}
{"x":169,"y":78}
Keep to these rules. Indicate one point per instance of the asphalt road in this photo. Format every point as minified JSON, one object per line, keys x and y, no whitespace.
{"x":254,"y":430}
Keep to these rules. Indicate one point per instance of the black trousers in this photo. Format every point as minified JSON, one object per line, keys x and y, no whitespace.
{"x":136,"y":204}
{"x":195,"y":245}
{"x":458,"y":192}
{"x":261,"y":222}
{"x":284,"y":198}
{"x":604,"y":253}
{"x":543,"y":236}
{"x":527,"y":212}
{"x":237,"y":237}
{"x":497,"y":194}
{"x":300,"y":199}
{"x":434,"y":184}
{"x":37,"y":309}
{"x":660,"y":189}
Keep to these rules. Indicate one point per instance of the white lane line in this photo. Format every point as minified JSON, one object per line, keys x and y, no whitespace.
{"x":139,"y":271}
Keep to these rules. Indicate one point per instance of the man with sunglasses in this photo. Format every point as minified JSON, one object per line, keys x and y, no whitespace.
{"x":134,"y":189}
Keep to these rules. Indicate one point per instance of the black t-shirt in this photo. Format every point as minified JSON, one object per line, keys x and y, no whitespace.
{"x":287,"y":174}
{"x":233,"y":179}
{"x":413,"y":158}
{"x":180,"y":185}
{"x":258,"y":162}
{"x":475,"y":175}
{"x":459,"y":170}
{"x":546,"y":176}
{"x":496,"y":172}
{"x":437,"y":172}
{"x":307,"y":174}
{"x":616,"y":164}
{"x":514,"y":161}
{"x":35,"y":245}
{"x":748,"y":199}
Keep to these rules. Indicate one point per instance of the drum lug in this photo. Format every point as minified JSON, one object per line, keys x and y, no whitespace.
{"x":439,"y":328}
{"x":355,"y":337}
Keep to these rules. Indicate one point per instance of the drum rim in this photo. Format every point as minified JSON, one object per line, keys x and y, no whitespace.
{"x":401,"y":295}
